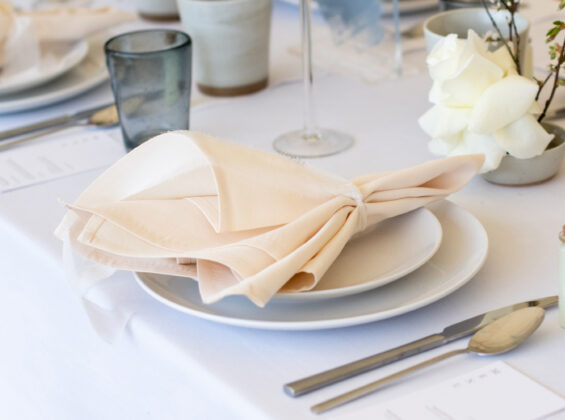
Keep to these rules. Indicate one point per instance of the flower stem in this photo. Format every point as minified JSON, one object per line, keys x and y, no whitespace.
{"x":560,"y":62}
{"x":512,"y":25}
{"x":542,"y":84}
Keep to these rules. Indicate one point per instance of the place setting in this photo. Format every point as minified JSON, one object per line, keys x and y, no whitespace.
{"x":333,"y":305}
{"x":324,"y":276}
{"x":346,"y":224}
{"x":322,"y":252}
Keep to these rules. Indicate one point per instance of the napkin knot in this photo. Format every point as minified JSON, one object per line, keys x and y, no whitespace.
{"x":355,"y":193}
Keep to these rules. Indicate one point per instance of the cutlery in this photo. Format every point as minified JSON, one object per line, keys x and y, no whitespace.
{"x":53,"y":122}
{"x":498,"y":337}
{"x":449,"y":334}
{"x":106,"y":117}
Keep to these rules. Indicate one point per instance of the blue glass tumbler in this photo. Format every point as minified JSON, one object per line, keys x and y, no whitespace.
{"x":150,"y":73}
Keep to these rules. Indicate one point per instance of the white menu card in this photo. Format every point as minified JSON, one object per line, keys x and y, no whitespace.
{"x":65,"y":155}
{"x":495,"y":392}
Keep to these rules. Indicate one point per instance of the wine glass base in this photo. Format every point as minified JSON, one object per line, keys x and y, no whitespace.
{"x":298,"y":144}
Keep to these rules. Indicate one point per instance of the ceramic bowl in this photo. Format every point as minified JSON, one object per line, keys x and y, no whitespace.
{"x":459,"y":22}
{"x":514,"y":171}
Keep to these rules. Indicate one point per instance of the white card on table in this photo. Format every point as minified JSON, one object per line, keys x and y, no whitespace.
{"x":494,"y":392}
{"x":68,"y":154}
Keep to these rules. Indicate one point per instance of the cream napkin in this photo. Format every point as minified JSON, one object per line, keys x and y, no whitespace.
{"x":240,"y":220}
{"x":24,"y":30}
{"x":62,"y":23}
{"x":70,"y":24}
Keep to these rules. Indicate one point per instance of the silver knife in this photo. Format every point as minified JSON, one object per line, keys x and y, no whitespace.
{"x":53,"y":122}
{"x":449,"y":334}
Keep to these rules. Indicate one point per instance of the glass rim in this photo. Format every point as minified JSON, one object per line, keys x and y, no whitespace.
{"x":186,"y":42}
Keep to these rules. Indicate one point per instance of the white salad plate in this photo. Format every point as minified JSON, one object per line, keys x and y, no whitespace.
{"x":384,"y":253}
{"x":462,"y":253}
{"x":88,"y":73}
{"x":56,"y":58}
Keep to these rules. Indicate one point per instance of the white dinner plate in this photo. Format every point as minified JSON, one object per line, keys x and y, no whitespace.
{"x":461,"y":254}
{"x":90,"y":72}
{"x":56,"y":59}
{"x":390,"y":250}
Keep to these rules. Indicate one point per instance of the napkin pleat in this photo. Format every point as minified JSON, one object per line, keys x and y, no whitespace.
{"x":241,"y":220}
{"x":273,"y":200}
{"x":195,"y":183}
{"x":72,"y":226}
{"x":71,"y":24}
{"x":157,"y":223}
{"x":271,"y":273}
{"x":283,"y":240}
{"x":311,"y":273}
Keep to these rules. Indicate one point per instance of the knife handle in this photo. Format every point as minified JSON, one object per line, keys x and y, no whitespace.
{"x":328,"y":377}
{"x":35,"y":127}
{"x":53,"y":122}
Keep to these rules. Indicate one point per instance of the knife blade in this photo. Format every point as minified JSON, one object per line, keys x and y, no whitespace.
{"x":450,"y":333}
{"x":52,"y":122}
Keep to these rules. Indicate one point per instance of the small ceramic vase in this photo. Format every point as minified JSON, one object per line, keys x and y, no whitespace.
{"x":514,"y":171}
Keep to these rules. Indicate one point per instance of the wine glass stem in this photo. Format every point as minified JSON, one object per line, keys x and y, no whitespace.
{"x":310,"y":125}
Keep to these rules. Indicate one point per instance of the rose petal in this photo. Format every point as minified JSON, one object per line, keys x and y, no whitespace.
{"x":474,"y":45}
{"x":479,"y":143}
{"x":524,"y":138}
{"x":441,"y":121}
{"x":437,"y":95}
{"x":466,"y":87}
{"x":501,"y":57}
{"x":502,"y":103}
{"x":444,"y":58}
{"x":443,"y":146}
{"x":535,"y":108}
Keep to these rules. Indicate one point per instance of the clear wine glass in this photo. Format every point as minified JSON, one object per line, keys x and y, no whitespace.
{"x":311,"y":141}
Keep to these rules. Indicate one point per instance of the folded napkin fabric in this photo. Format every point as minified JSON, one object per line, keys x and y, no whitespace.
{"x":241,"y":221}
{"x":74,"y":23}
{"x":25,"y":30}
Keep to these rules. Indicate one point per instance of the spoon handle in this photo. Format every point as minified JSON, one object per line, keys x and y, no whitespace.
{"x":373,"y":386}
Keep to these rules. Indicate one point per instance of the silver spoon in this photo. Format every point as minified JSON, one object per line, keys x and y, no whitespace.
{"x":106,"y":117}
{"x":500,"y":336}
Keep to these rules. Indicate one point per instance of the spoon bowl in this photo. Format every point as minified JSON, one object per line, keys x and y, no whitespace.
{"x":106,"y":117}
{"x":507,"y":332}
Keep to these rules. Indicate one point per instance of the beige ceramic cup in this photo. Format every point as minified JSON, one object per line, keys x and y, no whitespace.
{"x":159,"y":10}
{"x":459,"y":21}
{"x":231,"y":44}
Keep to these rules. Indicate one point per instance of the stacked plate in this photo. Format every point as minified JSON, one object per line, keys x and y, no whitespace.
{"x":399,"y":265}
{"x":65,"y":70}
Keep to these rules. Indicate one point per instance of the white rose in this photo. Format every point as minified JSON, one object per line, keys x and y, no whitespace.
{"x":481,"y":104}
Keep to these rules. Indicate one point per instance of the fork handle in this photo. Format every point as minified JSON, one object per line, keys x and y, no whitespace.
{"x":373,"y":386}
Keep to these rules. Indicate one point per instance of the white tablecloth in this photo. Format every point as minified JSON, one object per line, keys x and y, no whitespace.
{"x":168,"y":365}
